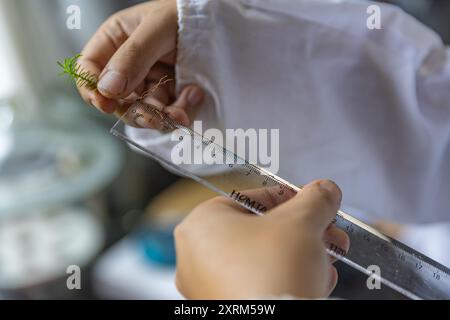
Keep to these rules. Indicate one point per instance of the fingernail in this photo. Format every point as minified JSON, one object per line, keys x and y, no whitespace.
{"x":113,"y":82}
{"x":332,"y":188}
{"x":195,"y":96}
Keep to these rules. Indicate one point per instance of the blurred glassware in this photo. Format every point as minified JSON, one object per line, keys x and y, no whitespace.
{"x":6,"y":121}
{"x":51,"y":182}
{"x":57,"y":160}
{"x":36,"y":251}
{"x":46,"y":166}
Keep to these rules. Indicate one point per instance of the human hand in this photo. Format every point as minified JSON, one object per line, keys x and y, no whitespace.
{"x":130,"y":53}
{"x":223,"y":252}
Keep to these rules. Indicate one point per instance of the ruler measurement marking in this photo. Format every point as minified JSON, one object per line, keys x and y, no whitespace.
{"x":403,"y":269}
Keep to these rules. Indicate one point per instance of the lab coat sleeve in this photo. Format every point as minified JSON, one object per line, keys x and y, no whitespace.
{"x":366,"y":108}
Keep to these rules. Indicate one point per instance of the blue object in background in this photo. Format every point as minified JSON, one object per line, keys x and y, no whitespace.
{"x":158,"y":244}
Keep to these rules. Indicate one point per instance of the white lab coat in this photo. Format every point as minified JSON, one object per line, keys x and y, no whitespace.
{"x":369,"y":109}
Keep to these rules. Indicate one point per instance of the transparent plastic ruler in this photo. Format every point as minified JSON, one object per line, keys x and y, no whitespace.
{"x":402,"y":268}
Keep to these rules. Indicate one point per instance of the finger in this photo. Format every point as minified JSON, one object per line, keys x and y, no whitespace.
{"x":106,"y":41}
{"x":103,"y":104}
{"x":161,"y":70}
{"x":145,"y":116}
{"x":93,"y":97}
{"x":169,"y":58}
{"x":337,"y":241}
{"x":316,"y":204}
{"x":122,"y":110}
{"x":266,"y":198}
{"x":100,"y":48}
{"x":131,"y":63}
{"x":333,"y":279}
{"x":157,"y":92}
{"x":178,"y":111}
{"x":88,"y":95}
{"x":184,"y":109}
{"x":160,"y":77}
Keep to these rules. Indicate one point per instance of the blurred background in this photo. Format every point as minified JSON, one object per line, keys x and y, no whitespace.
{"x":71,"y":194}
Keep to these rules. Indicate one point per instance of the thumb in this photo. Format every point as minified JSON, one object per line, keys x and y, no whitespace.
{"x":316,"y":204}
{"x":128,"y":67}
